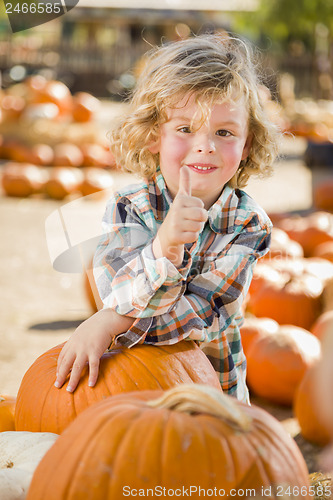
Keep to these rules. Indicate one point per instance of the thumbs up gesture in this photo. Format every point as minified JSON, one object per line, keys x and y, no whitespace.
{"x":183,"y":223}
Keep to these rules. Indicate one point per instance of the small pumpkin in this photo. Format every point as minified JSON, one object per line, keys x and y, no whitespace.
{"x":42,"y":407}
{"x":188,"y":437}
{"x":62,"y":182}
{"x":96,"y":155}
{"x":67,"y":154}
{"x":22,"y":179}
{"x":56,"y":92}
{"x":85,"y":107}
{"x":310,"y":231}
{"x":307,"y":411}
{"x":20,"y":453}
{"x":7,"y":413}
{"x":277,"y":363}
{"x":282,"y":246}
{"x":96,"y":180}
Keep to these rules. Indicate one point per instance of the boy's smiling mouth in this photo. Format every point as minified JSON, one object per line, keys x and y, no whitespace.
{"x":202,"y":167}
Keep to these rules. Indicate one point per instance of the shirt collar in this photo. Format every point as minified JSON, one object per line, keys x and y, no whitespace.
{"x":221,"y":215}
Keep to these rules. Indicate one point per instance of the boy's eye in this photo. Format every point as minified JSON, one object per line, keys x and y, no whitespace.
{"x":223,"y":133}
{"x":185,"y":130}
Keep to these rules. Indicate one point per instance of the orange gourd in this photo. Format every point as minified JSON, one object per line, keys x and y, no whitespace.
{"x":85,"y":107}
{"x":22,"y":179}
{"x":62,"y":182}
{"x":276,"y":363}
{"x":67,"y":154}
{"x":96,"y":155}
{"x":310,"y":231}
{"x":285,"y":294}
{"x":282,"y":246}
{"x":95,"y":180}
{"x":7,"y":412}
{"x":254,"y":327}
{"x":307,"y":411}
{"x":42,"y":407}
{"x":57,"y":93}
{"x":186,"y":438}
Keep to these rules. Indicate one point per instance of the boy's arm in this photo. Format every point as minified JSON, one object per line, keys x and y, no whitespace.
{"x":216,"y":293}
{"x":87,"y":344}
{"x":135,"y":269}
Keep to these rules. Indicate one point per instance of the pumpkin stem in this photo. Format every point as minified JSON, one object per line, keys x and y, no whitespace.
{"x":197,"y":398}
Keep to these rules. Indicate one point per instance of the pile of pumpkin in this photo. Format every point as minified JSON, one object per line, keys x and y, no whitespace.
{"x":50,"y":141}
{"x":157,"y":418}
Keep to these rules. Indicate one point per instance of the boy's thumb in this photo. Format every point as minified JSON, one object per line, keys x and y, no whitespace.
{"x":184,"y":181}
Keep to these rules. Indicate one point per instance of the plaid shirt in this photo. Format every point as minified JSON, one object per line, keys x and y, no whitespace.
{"x":200,"y":300}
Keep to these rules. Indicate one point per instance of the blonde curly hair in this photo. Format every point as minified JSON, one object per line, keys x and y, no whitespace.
{"x":214,"y":68}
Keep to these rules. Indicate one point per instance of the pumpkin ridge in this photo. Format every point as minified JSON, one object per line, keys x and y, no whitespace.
{"x":189,"y":373}
{"x":146,"y":369}
{"x":282,"y":448}
{"x":122,"y":443}
{"x":140,"y":366}
{"x":147,"y":454}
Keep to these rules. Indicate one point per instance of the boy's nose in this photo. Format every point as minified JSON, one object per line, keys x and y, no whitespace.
{"x":204,"y":144}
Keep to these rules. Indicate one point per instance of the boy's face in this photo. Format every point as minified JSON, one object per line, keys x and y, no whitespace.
{"x":212,"y":149}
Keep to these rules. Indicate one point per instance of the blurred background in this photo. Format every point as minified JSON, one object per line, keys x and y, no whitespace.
{"x":62,"y":85}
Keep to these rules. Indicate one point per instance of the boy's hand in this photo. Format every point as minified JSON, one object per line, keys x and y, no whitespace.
{"x":183,"y":223}
{"x":86,"y":346}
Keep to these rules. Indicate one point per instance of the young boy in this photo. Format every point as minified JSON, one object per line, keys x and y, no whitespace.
{"x":178,"y":253}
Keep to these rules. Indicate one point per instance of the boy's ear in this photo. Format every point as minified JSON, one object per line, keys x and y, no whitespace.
{"x":247,"y":147}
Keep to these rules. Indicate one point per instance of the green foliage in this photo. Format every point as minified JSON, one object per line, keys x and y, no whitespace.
{"x":282,"y":21}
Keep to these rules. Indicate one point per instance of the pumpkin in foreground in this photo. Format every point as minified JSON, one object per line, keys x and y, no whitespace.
{"x":188,"y":437}
{"x":41,"y":407}
{"x":20,"y":453}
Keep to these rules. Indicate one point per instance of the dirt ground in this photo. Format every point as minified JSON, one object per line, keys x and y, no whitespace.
{"x":40,"y":306}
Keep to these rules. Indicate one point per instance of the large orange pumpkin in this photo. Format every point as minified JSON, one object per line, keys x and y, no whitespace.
{"x":285,"y":294}
{"x":309,"y":231}
{"x":7,"y":412}
{"x":42,"y":407}
{"x":276,"y":363}
{"x":180,"y":440}
{"x":282,"y":246}
{"x":307,"y":411}
{"x":254,"y":327}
